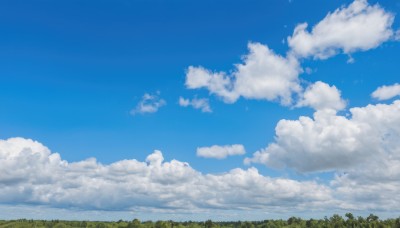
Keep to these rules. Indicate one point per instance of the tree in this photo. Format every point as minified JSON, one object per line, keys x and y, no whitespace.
{"x":294,"y":221}
{"x":337,"y":221}
{"x":208,"y":224}
{"x":135,"y":224}
{"x":350,"y":222}
{"x":349,"y":216}
{"x":372,"y":218}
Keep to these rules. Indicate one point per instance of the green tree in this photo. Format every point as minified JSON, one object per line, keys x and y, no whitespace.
{"x":337,"y":221}
{"x":372,"y":218}
{"x":294,"y":221}
{"x":135,"y":224}
{"x":350,"y":222}
{"x":208,"y":224}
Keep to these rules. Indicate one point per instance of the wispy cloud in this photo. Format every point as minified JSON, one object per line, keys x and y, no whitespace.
{"x":397,"y":36}
{"x":196,"y":103}
{"x":150,"y":103}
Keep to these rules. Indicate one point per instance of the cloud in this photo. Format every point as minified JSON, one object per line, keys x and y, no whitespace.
{"x":263,"y":75}
{"x":329,"y":142}
{"x":363,"y":150}
{"x":30,"y":174}
{"x":397,"y":35}
{"x":196,"y":103}
{"x":386,"y":92}
{"x":150,"y":103}
{"x":322,"y":96}
{"x":357,"y":27}
{"x":220,"y":152}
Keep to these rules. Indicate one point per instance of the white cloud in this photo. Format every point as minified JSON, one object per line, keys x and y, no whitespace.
{"x":386,"y":92}
{"x":196,"y":103}
{"x":262,"y":75}
{"x":217,"y":83}
{"x":328,"y":142}
{"x":357,"y":27}
{"x":31,"y":175}
{"x":265,"y":75}
{"x":221,"y":152}
{"x":149,"y":103}
{"x":363,"y":150}
{"x":322,"y":96}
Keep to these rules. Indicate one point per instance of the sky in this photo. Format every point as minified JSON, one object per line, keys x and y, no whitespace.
{"x":194,"y":110}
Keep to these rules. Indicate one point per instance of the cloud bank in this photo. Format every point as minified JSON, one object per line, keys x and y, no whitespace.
{"x":31,"y":174}
{"x":366,"y":179}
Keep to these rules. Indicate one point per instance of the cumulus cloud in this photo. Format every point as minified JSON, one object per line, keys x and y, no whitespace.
{"x":262,"y":75}
{"x":221,"y":152}
{"x":363,"y":150}
{"x":357,"y":27}
{"x":329,"y":142}
{"x":196,"y":103}
{"x":149,"y":103}
{"x":322,"y":96}
{"x":386,"y":92}
{"x":265,"y":75}
{"x":30,"y":174}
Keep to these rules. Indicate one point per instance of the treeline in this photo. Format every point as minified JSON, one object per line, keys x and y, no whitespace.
{"x":372,"y":221}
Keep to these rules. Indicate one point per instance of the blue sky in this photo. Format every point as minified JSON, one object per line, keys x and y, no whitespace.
{"x":73,"y":75}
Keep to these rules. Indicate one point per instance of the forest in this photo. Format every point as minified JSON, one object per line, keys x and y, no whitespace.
{"x":371,"y":221}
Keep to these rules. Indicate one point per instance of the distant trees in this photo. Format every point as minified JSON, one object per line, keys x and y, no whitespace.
{"x":349,"y":220}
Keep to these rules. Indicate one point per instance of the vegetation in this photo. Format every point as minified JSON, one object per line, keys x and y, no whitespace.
{"x":372,"y":221}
